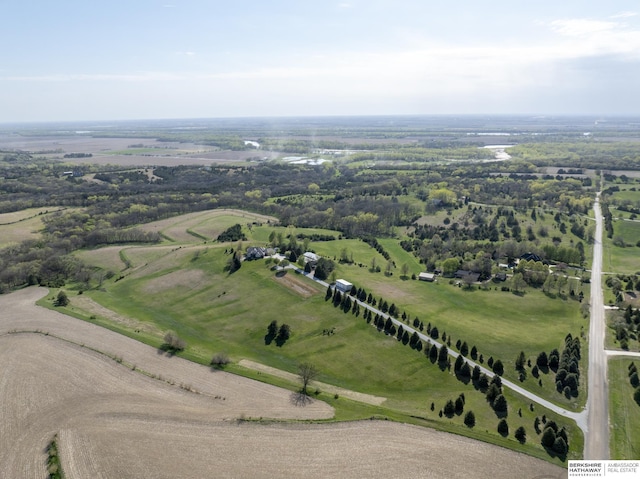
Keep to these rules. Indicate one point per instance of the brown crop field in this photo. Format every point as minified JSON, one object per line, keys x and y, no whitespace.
{"x":167,"y":417}
{"x":122,"y":152}
{"x":22,"y":225}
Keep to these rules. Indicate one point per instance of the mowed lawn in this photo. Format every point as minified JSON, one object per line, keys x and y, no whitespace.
{"x":214,"y":311}
{"x":624,"y":412}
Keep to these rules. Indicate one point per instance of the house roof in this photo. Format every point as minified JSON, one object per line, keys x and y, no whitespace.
{"x":311,"y":256}
{"x":530,"y":257}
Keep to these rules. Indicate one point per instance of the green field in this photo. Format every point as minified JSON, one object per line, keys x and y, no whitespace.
{"x":624,"y":260}
{"x":216,"y":315}
{"x":182,"y":287}
{"x":624,"y":412}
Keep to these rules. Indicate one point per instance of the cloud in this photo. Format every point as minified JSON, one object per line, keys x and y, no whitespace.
{"x":581,"y":27}
{"x":584,"y":38}
{"x":624,"y":15}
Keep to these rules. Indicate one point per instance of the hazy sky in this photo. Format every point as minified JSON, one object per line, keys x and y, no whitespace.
{"x":138,"y":59}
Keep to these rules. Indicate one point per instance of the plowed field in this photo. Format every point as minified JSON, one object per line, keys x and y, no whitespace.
{"x":113,"y":421}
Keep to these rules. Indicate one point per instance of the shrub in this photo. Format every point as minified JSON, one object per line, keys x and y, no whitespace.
{"x":220,"y":360}
{"x":173,"y":343}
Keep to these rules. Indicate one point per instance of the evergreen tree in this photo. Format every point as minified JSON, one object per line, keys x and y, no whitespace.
{"x":474,"y":353}
{"x":414,"y":340}
{"x":433,"y":353}
{"x":458,"y":364}
{"x":459,"y":406}
{"x":560,"y":447}
{"x":449,"y":408}
{"x":464,"y":349}
{"x":443,"y":354}
{"x":500,"y":405}
{"x":548,"y":438}
{"x":492,"y":393}
{"x":272,"y":329}
{"x":465,"y":372}
{"x":483,"y":382}
{"x":503,"y":428}
{"x":470,"y":419}
{"x":434,"y":332}
{"x":520,"y":361}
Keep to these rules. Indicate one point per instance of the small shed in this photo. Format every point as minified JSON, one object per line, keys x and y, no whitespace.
{"x":431,"y":277}
{"x":344,"y":286}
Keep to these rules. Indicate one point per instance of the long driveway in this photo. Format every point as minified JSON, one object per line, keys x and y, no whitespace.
{"x":580,"y":418}
{"x":597,"y":438}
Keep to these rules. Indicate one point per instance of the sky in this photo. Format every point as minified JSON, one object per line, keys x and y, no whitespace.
{"x":68,"y":60}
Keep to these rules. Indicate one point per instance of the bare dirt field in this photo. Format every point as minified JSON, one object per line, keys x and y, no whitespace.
{"x":106,"y":151}
{"x":114,"y":421}
{"x":289,"y":280}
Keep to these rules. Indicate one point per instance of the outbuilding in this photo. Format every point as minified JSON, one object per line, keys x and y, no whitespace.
{"x":431,"y":277}
{"x":344,"y":286}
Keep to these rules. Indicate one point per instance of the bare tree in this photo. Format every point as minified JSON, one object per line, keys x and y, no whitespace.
{"x":307,"y":373}
{"x":173,"y":343}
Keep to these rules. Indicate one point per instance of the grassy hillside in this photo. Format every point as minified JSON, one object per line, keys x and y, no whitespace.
{"x":184,"y":288}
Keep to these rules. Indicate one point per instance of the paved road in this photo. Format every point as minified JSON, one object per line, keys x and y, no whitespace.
{"x":597,"y":437}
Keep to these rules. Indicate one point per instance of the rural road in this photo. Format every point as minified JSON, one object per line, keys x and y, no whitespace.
{"x":594,"y":419}
{"x":597,"y":435}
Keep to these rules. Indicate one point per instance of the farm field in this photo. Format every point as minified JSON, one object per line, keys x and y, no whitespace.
{"x":181,"y":287}
{"x":21,"y":225}
{"x":136,"y":253}
{"x":207,"y":225}
{"x":101,"y":409}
